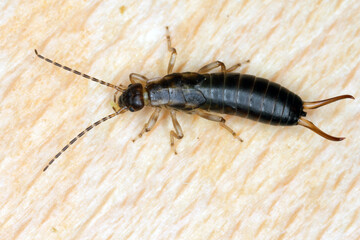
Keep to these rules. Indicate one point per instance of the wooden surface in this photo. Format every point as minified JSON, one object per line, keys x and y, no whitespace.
{"x":280,"y":183}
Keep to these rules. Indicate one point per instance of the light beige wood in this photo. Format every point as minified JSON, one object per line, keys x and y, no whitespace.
{"x":280,"y":183}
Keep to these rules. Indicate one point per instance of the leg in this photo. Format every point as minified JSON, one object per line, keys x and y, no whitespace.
{"x":150,"y":124}
{"x":211,"y":66}
{"x":233,"y":68}
{"x":218,"y":119}
{"x":172,"y":50}
{"x":178,"y":132}
{"x":137,"y":78}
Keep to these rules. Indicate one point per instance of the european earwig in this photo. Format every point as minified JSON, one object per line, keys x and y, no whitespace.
{"x":205,"y":93}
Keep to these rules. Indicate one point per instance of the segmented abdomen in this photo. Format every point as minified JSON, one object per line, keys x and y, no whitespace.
{"x":251,"y":97}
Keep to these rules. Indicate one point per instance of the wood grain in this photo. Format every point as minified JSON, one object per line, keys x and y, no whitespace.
{"x":280,"y":183}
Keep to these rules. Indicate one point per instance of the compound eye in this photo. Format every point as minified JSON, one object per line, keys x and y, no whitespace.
{"x":131,"y":109}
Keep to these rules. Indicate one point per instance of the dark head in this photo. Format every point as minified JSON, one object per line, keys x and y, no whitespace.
{"x":132,"y":98}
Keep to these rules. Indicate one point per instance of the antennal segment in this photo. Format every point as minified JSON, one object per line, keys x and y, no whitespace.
{"x":119,"y":88}
{"x":83,"y":133}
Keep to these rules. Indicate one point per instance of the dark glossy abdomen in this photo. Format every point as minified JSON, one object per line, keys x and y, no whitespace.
{"x":250,"y":97}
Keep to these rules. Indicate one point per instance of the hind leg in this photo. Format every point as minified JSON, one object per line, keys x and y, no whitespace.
{"x":213,"y":65}
{"x":236,"y":66}
{"x":218,"y":119}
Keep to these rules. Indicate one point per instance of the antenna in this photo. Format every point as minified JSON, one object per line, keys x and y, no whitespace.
{"x":118,"y":88}
{"x":82,"y":133}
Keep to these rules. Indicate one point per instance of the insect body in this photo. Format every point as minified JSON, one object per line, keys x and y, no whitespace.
{"x":207,"y":94}
{"x":228,"y":93}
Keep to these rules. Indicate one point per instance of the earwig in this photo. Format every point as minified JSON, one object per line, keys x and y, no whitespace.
{"x":206,"y":95}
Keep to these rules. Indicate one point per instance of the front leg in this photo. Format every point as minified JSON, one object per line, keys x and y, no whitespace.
{"x":150,"y":124}
{"x":137,"y":78}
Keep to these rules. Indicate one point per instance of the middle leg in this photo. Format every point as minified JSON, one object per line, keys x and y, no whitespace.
{"x":178,"y":131}
{"x":211,"y":66}
{"x":172,"y":50}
